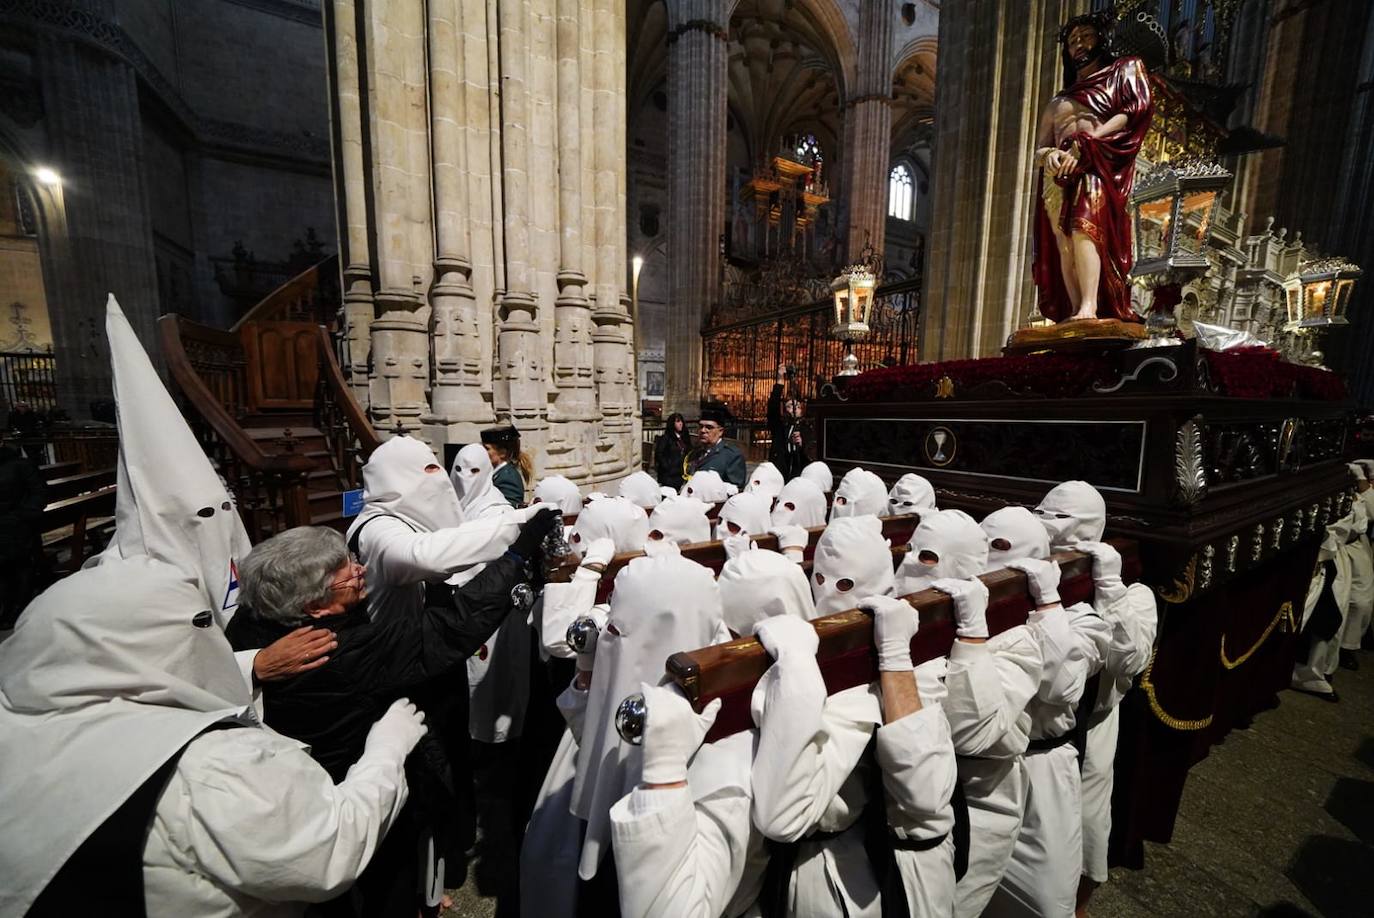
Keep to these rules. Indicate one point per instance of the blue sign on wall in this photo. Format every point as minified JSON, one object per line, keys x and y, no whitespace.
{"x":352,"y":502}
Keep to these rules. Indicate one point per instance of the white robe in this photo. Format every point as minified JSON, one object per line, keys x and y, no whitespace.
{"x":1361,"y":557}
{"x":1133,"y":617}
{"x":989,"y":686}
{"x":1324,"y":656}
{"x":1042,"y":877}
{"x":249,"y":824}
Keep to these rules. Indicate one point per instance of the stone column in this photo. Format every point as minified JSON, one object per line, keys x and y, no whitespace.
{"x":350,"y":190}
{"x":868,"y":131}
{"x":457,"y":397}
{"x":395,"y":48}
{"x":999,"y":66}
{"x":698,"y":52}
{"x":519,"y":387}
{"x":93,"y":244}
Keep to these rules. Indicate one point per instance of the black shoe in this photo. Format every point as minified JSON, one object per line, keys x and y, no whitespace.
{"x":1349,"y":661}
{"x":1329,"y":697}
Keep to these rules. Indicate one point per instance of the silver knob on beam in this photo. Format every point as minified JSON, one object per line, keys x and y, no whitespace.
{"x":630,"y":718}
{"x":582,"y":634}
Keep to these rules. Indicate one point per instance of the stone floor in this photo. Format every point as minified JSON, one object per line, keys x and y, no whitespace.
{"x":1277,"y":822}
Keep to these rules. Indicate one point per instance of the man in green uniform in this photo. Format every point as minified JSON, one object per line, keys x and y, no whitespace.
{"x":714,"y":452}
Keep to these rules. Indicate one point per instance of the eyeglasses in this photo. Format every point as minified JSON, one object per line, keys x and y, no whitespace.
{"x":355,"y":573}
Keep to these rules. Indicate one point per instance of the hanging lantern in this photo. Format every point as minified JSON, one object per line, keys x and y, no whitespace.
{"x":1175,"y":204}
{"x":853,"y":292}
{"x":1318,"y":293}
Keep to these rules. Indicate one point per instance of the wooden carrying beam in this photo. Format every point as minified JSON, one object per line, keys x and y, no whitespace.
{"x":896,"y":529}
{"x":730,"y":671}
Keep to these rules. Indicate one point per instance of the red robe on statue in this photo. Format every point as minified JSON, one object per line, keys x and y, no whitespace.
{"x":1095,"y":199}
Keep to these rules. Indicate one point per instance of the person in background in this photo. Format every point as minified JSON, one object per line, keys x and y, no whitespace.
{"x":670,"y":450}
{"x":22,"y":499}
{"x":715,"y":453}
{"x":788,"y":451}
{"x":513,"y":468}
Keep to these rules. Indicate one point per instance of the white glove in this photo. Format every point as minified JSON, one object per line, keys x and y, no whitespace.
{"x":1106,"y":561}
{"x":397,"y":731}
{"x":787,"y":635}
{"x":736,"y":545}
{"x":731,"y":489}
{"x":600,"y":551}
{"x":792,"y":540}
{"x":1042,"y":579}
{"x":970,"y":605}
{"x":895,"y":622}
{"x":672,"y":733}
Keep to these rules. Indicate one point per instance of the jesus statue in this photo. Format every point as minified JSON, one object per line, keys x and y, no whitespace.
{"x":1087,"y":143}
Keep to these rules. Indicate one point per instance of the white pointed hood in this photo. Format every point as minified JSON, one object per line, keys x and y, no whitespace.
{"x":852,"y":561}
{"x":471,"y":478}
{"x":170,"y":504}
{"x":758,"y":584}
{"x":946,"y":544}
{"x":743,"y":514}
{"x":558,"y":491}
{"x":860,"y":493}
{"x":1073,"y":512}
{"x":681,"y":520}
{"x":108,"y":675}
{"x":1014,"y":533}
{"x":641,"y":490}
{"x":395,"y":483}
{"x":660,"y":605}
{"x":613,"y":518}
{"x":766,"y":482}
{"x":709,"y":487}
{"x":801,"y":503}
{"x":820,"y":474}
{"x":911,"y":494}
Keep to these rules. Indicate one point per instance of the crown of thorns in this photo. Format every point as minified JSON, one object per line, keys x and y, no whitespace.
{"x":1101,"y":21}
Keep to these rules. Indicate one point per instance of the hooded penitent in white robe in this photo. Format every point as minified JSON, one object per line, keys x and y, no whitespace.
{"x":682,"y":520}
{"x":946,"y":543}
{"x":412,"y":529}
{"x":1361,"y":609}
{"x":471,"y":477}
{"x":743,"y":514}
{"x":640,"y":489}
{"x":852,"y":560}
{"x":766,"y":481}
{"x":800,"y":503}
{"x":707,"y":486}
{"x":1047,"y":861}
{"x":819,"y":474}
{"x":860,"y":493}
{"x":558,"y":491}
{"x":1323,"y":656}
{"x":911,"y":494}
{"x":109,"y":675}
{"x":660,"y":605}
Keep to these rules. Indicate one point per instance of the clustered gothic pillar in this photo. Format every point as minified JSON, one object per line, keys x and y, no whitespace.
{"x":868,"y":130}
{"x":479,"y":153}
{"x":698,"y":52}
{"x":999,"y":66}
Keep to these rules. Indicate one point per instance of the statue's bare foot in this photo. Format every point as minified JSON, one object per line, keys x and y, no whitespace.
{"x":1087,"y":312}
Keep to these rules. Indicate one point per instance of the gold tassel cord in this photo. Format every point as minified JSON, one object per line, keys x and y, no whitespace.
{"x":1284,"y":617}
{"x":1174,"y":723}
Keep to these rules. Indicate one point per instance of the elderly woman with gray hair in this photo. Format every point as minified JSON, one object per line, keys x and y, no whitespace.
{"x":307,"y":574}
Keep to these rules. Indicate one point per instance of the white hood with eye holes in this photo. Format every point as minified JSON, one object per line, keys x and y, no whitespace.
{"x":748,"y":512}
{"x":558,"y":491}
{"x":801,"y":503}
{"x":170,"y":504}
{"x":758,"y":584}
{"x":957,"y":543}
{"x":1073,"y":512}
{"x":819,"y":474}
{"x":681,"y":520}
{"x":395,"y":483}
{"x":107,"y":676}
{"x":471,"y":477}
{"x":709,"y":487}
{"x":911,"y":494}
{"x":852,"y":549}
{"x":860,"y":493}
{"x":641,"y":490}
{"x":1014,"y":533}
{"x":766,"y":481}
{"x":613,"y":518}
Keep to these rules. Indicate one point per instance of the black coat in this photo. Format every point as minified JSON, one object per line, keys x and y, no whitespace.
{"x":22,"y":499}
{"x":788,"y":457}
{"x":669,"y":453}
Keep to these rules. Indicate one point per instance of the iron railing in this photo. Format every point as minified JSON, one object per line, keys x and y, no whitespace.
{"x":28,"y":378}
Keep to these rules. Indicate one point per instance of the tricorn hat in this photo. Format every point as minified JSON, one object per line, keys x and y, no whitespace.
{"x":504,"y":436}
{"x":716,"y":415}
